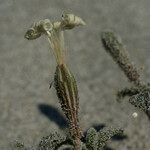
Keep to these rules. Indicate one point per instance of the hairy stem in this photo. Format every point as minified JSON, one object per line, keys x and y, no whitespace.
{"x":115,"y":48}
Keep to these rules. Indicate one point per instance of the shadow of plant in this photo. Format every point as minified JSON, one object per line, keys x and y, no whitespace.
{"x":53,"y":114}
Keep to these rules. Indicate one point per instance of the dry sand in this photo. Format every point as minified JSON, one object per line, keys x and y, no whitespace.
{"x":29,"y":110}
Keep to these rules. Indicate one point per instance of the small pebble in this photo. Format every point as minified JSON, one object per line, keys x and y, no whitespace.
{"x":135,"y":114}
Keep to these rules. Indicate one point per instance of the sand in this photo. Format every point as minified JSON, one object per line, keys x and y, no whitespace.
{"x":30,"y":110}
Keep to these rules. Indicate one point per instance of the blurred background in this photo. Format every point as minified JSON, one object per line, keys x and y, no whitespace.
{"x":30,"y":110}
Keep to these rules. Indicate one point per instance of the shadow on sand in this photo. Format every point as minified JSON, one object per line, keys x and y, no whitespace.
{"x":53,"y":114}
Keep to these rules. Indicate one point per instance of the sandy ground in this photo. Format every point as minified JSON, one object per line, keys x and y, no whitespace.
{"x":29,"y":110}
